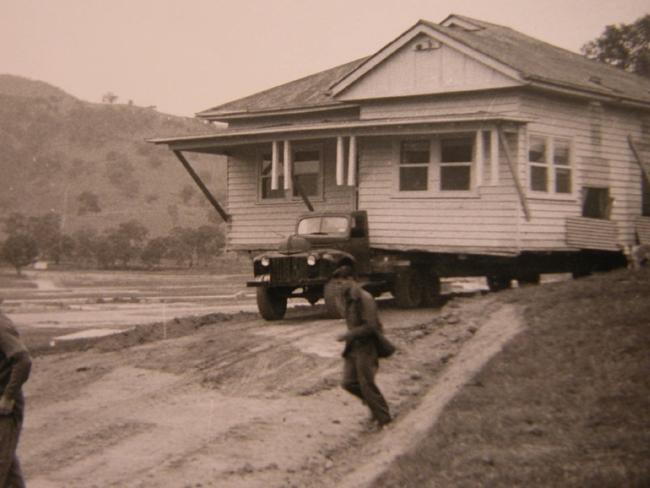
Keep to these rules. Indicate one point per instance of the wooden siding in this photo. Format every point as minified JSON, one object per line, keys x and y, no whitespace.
{"x":601,"y":157}
{"x":495,"y":102}
{"x":643,"y":230}
{"x":484,"y":222}
{"x":416,"y":70}
{"x":258,"y":225}
{"x":585,"y":233}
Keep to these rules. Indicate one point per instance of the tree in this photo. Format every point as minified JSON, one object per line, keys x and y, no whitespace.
{"x":626,"y":46}
{"x":109,"y":97}
{"x":84,"y":244}
{"x":16,"y":223}
{"x":154,"y":251}
{"x":127,"y":240}
{"x":46,"y":230}
{"x":19,"y":250}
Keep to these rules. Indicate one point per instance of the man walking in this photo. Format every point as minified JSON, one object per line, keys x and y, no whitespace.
{"x":364,"y":345}
{"x":15,"y":365}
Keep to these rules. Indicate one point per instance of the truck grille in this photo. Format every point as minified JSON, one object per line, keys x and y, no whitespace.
{"x":288,"y":269}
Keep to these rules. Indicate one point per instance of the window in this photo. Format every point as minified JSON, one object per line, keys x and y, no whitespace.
{"x":456,"y":163}
{"x":596,"y":203}
{"x":306,"y":172}
{"x":414,"y":165}
{"x":549,"y":161}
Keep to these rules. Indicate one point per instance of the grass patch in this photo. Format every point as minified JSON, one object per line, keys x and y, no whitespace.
{"x":567,"y":403}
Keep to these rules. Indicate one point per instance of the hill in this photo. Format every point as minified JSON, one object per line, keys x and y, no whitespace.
{"x":90,"y":163}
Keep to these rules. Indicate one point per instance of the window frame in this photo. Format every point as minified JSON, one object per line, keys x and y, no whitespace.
{"x":288,"y":195}
{"x":551,"y":167}
{"x":471,"y":136}
{"x":400,"y":165}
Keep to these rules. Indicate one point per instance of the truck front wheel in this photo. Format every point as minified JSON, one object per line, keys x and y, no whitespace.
{"x":271,"y":303}
{"x":334,"y":303}
{"x":407,"y":289}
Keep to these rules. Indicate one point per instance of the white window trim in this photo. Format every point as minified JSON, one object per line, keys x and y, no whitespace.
{"x":549,"y":165}
{"x":433,"y":177}
{"x":288,"y":197}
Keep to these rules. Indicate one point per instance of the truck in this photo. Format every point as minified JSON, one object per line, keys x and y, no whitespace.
{"x":304,"y":262}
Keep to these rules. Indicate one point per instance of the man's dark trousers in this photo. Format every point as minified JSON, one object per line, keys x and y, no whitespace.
{"x":359,"y":371}
{"x":10,"y":473}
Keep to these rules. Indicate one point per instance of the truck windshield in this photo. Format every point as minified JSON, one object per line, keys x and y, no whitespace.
{"x":323,"y":226}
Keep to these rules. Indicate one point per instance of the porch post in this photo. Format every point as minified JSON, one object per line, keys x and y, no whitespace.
{"x":494,"y":156}
{"x":274,"y":165}
{"x":288,"y":166}
{"x":479,"y":157}
{"x":352,"y":162}
{"x":340,"y":162}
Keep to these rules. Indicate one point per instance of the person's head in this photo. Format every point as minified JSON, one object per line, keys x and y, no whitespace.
{"x":344,"y":272}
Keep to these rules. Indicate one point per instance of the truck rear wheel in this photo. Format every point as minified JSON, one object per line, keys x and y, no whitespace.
{"x":430,"y":289}
{"x":407,"y":289}
{"x":334,"y":299}
{"x":271,"y":303}
{"x":498,"y":282}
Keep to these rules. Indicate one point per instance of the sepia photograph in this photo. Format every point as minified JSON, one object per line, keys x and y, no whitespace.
{"x":324,"y":244}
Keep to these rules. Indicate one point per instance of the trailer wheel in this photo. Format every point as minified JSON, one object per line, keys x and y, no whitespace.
{"x":334,"y":299}
{"x":430,"y":289}
{"x":407,"y":289}
{"x":271,"y":303}
{"x":498,"y":282}
{"x":528,"y":279}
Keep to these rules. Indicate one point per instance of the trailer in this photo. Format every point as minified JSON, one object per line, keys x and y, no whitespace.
{"x":465,"y":147}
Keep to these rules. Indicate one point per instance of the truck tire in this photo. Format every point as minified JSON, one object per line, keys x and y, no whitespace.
{"x":271,"y":303}
{"x":407,"y":289}
{"x":430,"y":289}
{"x":528,"y":279}
{"x":334,"y":300}
{"x":498,"y":282}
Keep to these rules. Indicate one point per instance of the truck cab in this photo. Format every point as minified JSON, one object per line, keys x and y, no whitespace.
{"x":303,"y":263}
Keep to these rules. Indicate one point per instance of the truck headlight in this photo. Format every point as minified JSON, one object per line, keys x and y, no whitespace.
{"x":311,"y":260}
{"x":265,"y":261}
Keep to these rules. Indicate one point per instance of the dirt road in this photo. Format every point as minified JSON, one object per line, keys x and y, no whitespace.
{"x":243,"y":403}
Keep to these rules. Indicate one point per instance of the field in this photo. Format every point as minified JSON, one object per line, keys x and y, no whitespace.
{"x":541,"y":386}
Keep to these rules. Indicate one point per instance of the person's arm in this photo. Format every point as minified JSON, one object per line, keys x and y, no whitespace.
{"x":21,"y":365}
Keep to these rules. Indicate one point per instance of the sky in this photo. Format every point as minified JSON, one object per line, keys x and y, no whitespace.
{"x":184,"y":56}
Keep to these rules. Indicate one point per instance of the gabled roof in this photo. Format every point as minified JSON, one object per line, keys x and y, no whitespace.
{"x":536,"y":63}
{"x":308,"y":92}
{"x":538,"y":60}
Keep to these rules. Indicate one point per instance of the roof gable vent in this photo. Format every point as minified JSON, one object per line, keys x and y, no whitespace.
{"x":426,"y":45}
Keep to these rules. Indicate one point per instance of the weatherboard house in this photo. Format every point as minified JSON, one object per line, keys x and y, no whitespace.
{"x":461,"y":137}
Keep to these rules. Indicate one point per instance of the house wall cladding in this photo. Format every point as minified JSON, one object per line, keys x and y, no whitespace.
{"x":601,"y":158}
{"x":258,"y":225}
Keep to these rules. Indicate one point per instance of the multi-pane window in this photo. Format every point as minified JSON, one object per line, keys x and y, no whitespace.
{"x":549,"y":163}
{"x":538,"y":165}
{"x":456,"y":155}
{"x":414,"y":165}
{"x":306,"y":173}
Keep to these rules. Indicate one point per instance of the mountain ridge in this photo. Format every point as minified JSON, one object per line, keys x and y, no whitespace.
{"x":90,"y":162}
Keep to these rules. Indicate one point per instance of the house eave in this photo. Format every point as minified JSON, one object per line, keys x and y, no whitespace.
{"x":580,"y":92}
{"x":245,"y":114}
{"x":233,"y":137}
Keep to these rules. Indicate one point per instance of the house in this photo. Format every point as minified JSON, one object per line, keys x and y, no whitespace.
{"x":461,"y":137}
